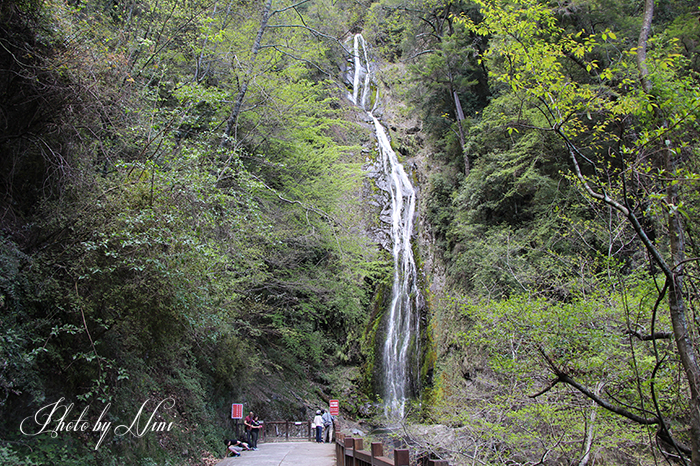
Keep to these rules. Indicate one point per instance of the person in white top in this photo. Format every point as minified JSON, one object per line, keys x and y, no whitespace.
{"x":317,"y":424}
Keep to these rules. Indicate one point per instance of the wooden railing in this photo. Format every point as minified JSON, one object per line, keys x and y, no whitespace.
{"x":286,"y":430}
{"x":349,"y":452}
{"x":274,"y":431}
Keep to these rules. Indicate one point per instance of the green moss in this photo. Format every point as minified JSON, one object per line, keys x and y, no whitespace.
{"x":369,"y":347}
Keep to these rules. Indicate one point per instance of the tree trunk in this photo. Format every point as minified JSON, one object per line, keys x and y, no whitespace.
{"x":462,"y":142}
{"x":674,"y":271}
{"x":642,"y":45}
{"x":232,"y":123}
{"x":459,"y":114}
{"x":590,"y":430}
{"x":677,"y":307}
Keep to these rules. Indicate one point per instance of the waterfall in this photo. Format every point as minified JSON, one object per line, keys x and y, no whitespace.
{"x":402,"y":316}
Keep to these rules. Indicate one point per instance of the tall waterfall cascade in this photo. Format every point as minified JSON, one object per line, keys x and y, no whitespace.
{"x":402,"y":316}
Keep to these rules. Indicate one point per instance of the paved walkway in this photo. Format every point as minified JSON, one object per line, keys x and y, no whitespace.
{"x":285,"y":454}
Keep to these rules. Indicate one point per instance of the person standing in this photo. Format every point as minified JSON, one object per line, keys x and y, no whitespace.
{"x":327,"y":426}
{"x":248,"y":422}
{"x":318,"y":425}
{"x":255,"y":427}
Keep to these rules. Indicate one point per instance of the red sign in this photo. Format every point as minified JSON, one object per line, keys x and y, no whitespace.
{"x":236,"y":411}
{"x":334,"y":407}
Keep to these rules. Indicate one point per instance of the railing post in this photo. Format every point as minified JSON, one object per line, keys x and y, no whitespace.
{"x":286,"y":431}
{"x":401,"y":458}
{"x":357,"y":444}
{"x":347,"y":449}
{"x":339,"y":450}
{"x":376,"y":449}
{"x":349,"y":446}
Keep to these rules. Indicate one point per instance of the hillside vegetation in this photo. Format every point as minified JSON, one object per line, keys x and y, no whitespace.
{"x":185,"y":217}
{"x":562,"y":211}
{"x":180,"y":219}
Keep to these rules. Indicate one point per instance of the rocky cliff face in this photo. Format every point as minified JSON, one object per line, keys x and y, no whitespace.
{"x":408,"y":140}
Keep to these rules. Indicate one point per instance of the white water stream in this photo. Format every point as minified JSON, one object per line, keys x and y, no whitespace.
{"x":402,"y":318}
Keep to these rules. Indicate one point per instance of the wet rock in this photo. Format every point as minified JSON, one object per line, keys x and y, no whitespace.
{"x":382,"y":184}
{"x":413,"y":130}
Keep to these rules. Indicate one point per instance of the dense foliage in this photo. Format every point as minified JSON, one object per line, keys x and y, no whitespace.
{"x":182,"y":219}
{"x":563,"y":197}
{"x":149,"y":254}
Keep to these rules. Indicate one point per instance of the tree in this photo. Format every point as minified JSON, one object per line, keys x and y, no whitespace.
{"x":138,"y":256}
{"x":628,"y":138}
{"x":258,"y":45}
{"x":448,"y":85}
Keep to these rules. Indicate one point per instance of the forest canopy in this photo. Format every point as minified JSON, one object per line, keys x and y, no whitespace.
{"x":578,"y":176}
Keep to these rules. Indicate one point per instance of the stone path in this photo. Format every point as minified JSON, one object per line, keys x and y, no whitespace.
{"x":286,"y":454}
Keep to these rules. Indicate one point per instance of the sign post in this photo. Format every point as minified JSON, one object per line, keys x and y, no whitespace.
{"x":236,"y":414}
{"x":334,"y":406}
{"x":236,"y":411}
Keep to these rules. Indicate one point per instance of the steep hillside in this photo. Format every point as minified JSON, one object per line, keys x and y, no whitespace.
{"x":181,"y":224}
{"x":190,"y":217}
{"x":556,"y":198}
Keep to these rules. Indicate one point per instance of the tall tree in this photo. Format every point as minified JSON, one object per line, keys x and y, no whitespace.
{"x":232,"y":121}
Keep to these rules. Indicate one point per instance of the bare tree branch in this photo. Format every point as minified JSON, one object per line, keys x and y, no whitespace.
{"x":282,"y":10}
{"x":315,"y":32}
{"x":292,"y":201}
{"x":542,"y":392}
{"x":565,"y":378}
{"x":303,"y":60}
{"x":654,"y":336}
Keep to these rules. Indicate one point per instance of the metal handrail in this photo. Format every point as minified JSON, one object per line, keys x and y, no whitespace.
{"x":287,"y":430}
